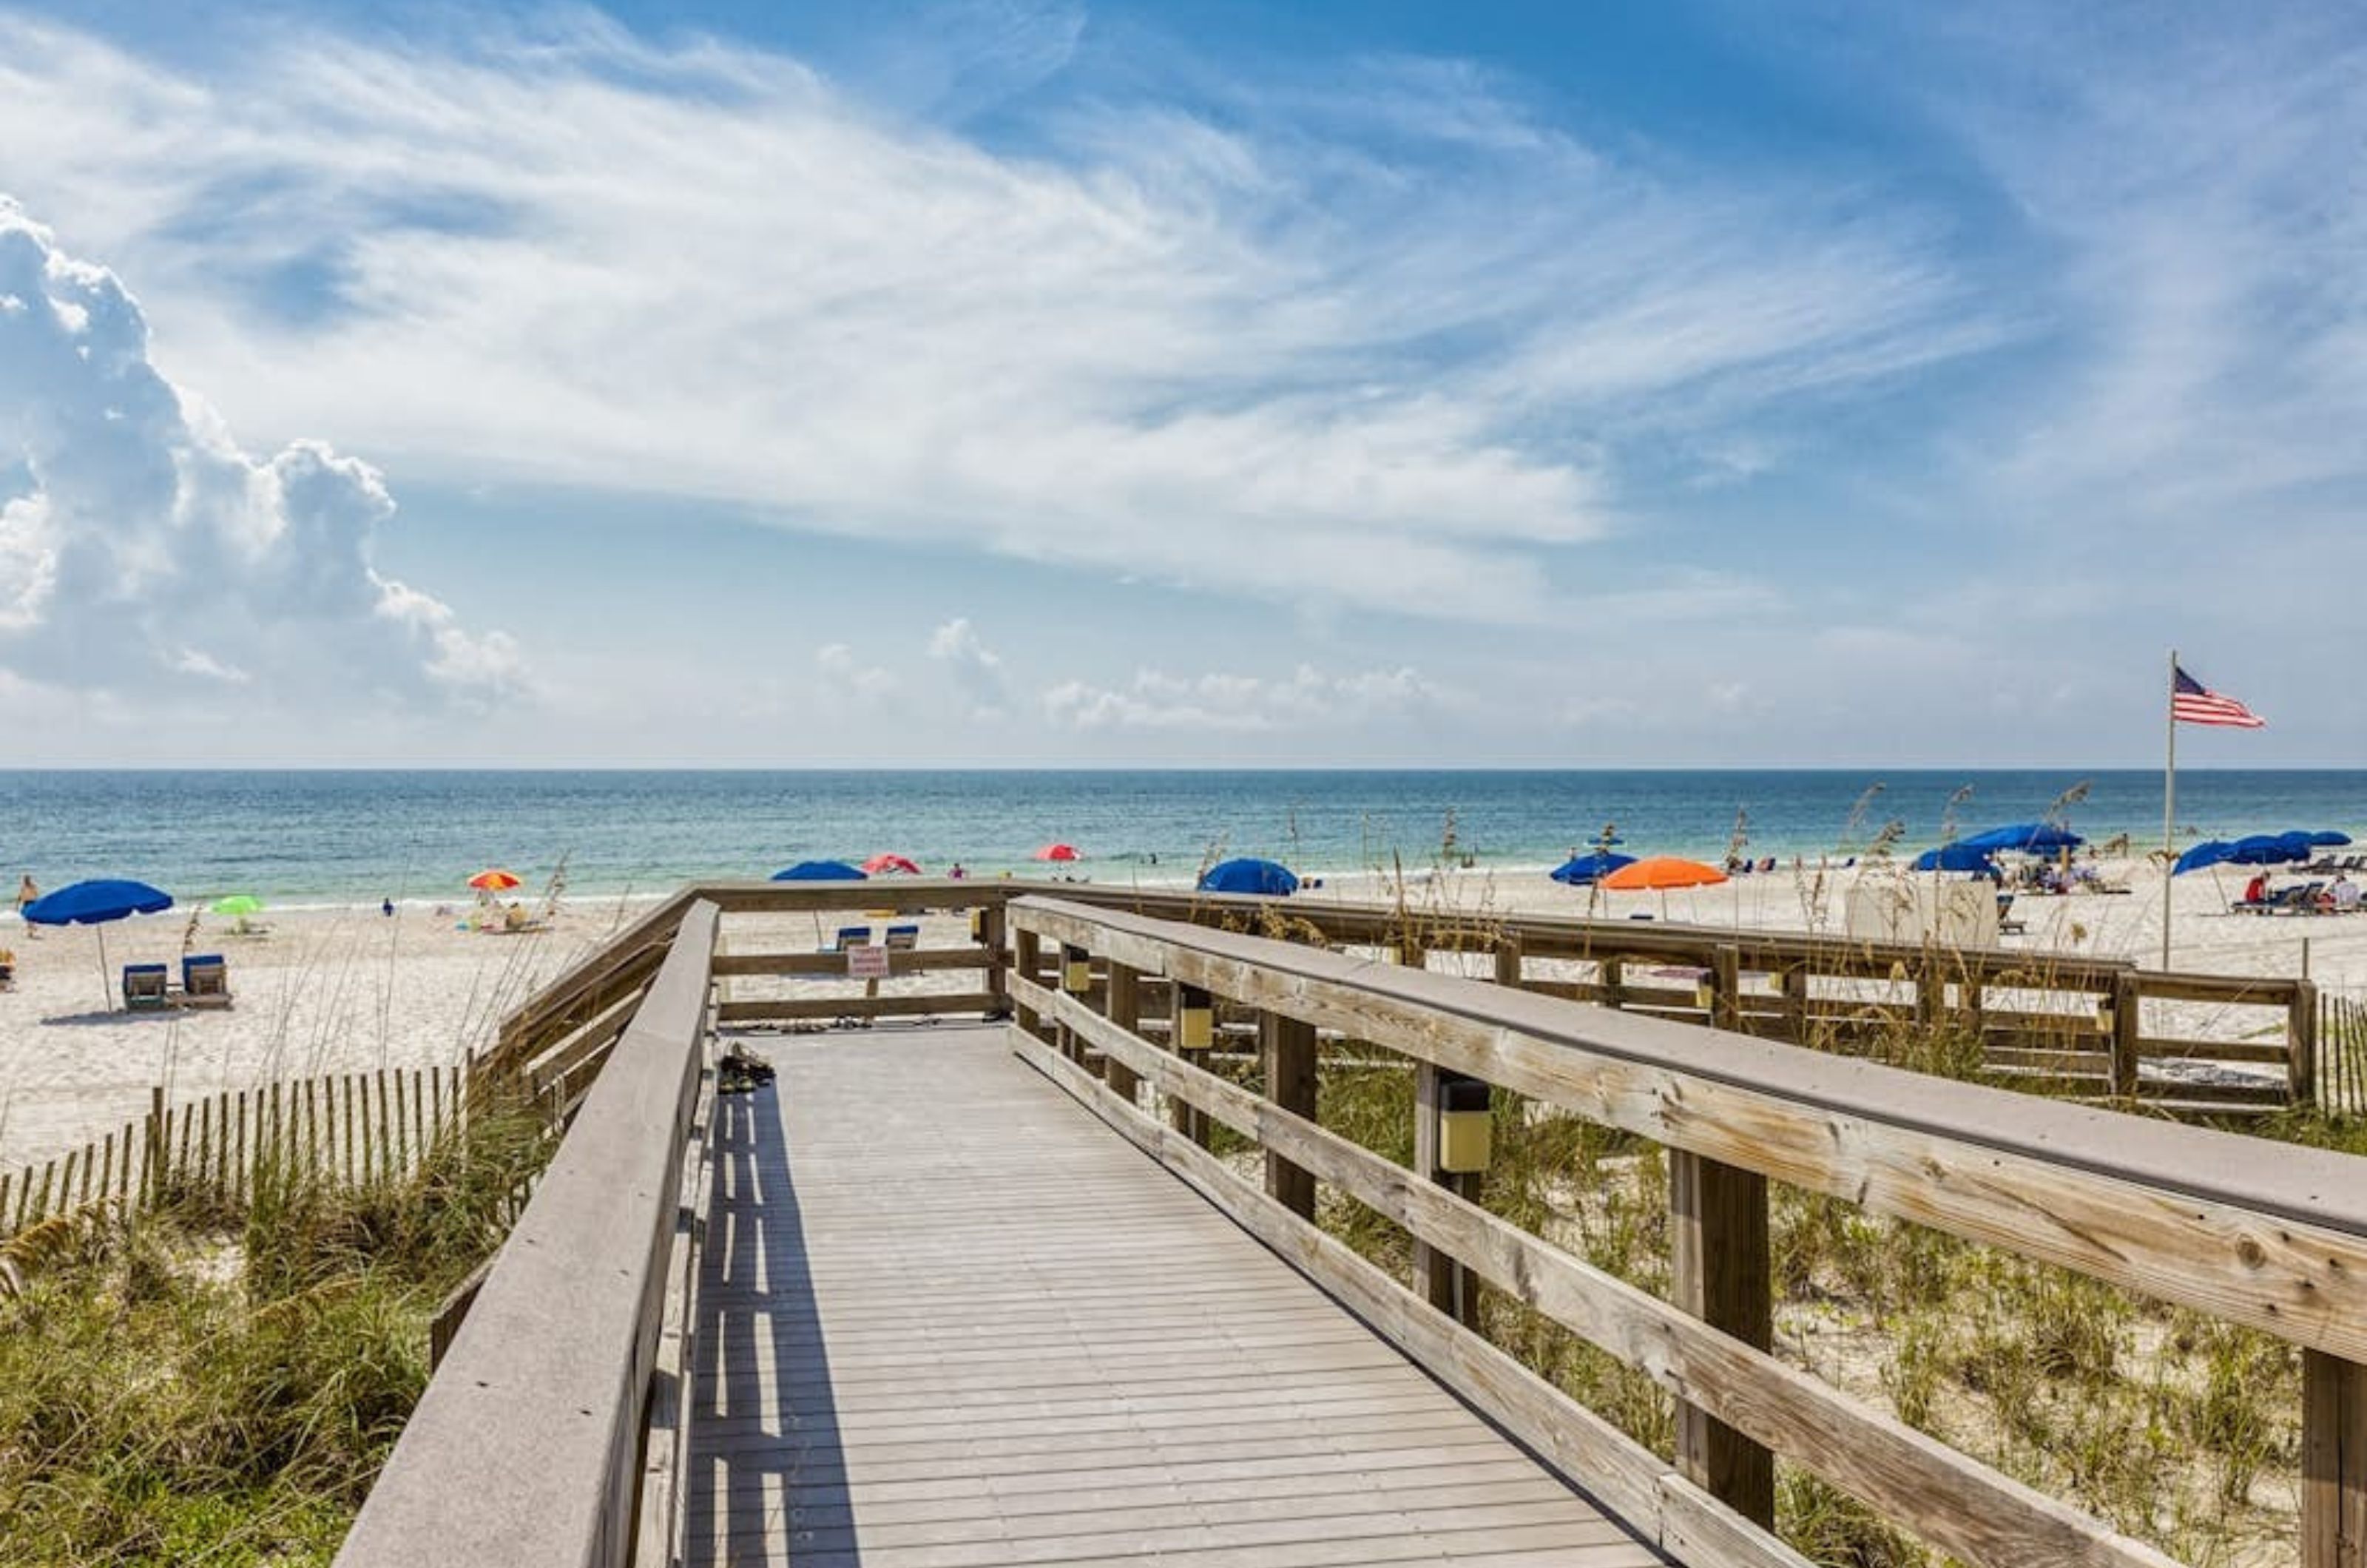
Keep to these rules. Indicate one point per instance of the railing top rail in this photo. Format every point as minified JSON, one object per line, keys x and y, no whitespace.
{"x":521,"y":1453}
{"x":2311,"y":1186}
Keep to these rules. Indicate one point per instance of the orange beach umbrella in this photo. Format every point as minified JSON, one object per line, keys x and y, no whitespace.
{"x":494,"y":879}
{"x":1661,"y":873}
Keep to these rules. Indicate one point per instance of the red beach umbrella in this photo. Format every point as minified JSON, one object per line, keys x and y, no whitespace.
{"x":1058,"y":852}
{"x":886,"y":863}
{"x":494,"y":879}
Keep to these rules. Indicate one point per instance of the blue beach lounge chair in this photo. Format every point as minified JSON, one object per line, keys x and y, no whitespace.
{"x":146,"y":987}
{"x":850,"y":936}
{"x":205,"y":981}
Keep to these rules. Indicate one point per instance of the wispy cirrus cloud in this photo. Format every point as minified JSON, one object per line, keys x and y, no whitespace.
{"x":1377,"y":342}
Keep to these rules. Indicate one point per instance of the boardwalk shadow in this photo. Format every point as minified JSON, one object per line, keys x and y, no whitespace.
{"x":768,"y":1475}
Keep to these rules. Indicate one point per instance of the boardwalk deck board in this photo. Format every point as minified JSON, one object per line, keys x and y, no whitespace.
{"x":950,"y":1320}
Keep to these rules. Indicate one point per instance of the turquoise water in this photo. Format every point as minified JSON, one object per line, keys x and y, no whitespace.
{"x":356,"y":837}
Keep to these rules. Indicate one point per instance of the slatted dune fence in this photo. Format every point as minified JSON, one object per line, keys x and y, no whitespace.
{"x":2342,"y":1055}
{"x":352,"y":1128}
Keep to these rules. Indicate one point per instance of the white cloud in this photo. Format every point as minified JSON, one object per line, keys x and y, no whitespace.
{"x":1307,"y":698}
{"x":1373,"y":344}
{"x":976,"y":668}
{"x":146,"y":545}
{"x":847,"y":681}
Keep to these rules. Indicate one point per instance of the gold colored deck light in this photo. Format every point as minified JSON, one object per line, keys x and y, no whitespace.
{"x":1076,"y":970}
{"x":978,"y":923}
{"x":1466,"y":1127}
{"x":1196,"y":1019}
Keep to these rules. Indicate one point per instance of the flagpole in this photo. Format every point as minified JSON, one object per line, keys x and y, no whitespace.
{"x":2169,"y":807}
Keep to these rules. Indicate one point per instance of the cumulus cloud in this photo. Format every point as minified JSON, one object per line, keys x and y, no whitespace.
{"x":977,"y":670}
{"x":1375,"y":343}
{"x":1306,"y":698}
{"x":141,"y":544}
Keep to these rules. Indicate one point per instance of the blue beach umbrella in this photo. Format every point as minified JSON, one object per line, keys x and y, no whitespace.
{"x":97,"y":904}
{"x":2266,"y":849}
{"x":1263,"y":876}
{"x":1580,"y":870}
{"x":2209,"y":852}
{"x":2031,"y":838}
{"x":821,"y":871}
{"x":1954,"y":857}
{"x":2327,"y":839}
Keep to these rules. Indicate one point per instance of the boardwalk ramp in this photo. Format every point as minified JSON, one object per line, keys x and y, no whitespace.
{"x":951,"y":1319}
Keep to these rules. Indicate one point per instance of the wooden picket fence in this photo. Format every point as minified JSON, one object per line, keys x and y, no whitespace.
{"x":352,"y":1128}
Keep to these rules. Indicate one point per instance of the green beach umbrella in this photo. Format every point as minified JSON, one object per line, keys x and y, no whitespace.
{"x":239,"y":904}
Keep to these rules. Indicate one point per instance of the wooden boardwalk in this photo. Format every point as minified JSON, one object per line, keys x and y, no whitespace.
{"x":948,"y":1318}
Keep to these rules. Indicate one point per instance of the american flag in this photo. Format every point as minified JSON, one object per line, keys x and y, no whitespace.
{"x":2192,"y":701}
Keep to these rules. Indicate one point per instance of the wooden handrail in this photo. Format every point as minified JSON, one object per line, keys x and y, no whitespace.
{"x":524,"y":1450}
{"x":2271,"y":1235}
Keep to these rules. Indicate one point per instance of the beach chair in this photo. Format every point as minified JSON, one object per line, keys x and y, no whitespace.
{"x":146,"y":987}
{"x":7,"y":970}
{"x":205,"y":981}
{"x":849,"y":936}
{"x":2007,"y":924}
{"x":904,"y":939}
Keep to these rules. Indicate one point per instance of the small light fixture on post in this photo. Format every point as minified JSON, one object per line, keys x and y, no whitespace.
{"x":1196,"y":1019}
{"x":1466,"y":1125}
{"x":1076,"y":970}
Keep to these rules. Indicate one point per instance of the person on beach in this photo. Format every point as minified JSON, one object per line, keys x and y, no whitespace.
{"x":26,"y":894}
{"x":2257,"y":890}
{"x":386,"y":907}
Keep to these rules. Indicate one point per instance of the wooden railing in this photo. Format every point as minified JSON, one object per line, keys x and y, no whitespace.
{"x":2272,"y":1237}
{"x":528,"y":1449}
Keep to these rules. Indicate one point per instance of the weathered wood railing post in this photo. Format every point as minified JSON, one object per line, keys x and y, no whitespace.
{"x":1509,"y":965}
{"x":1613,"y":990}
{"x":1725,"y":982}
{"x":2128,"y":1015}
{"x":2333,"y":1461}
{"x":1126,"y":1011}
{"x":1442,"y":1281}
{"x":1288,"y":1049}
{"x":993,"y":934}
{"x":1717,"y":1236}
{"x":1793,"y":984}
{"x":1192,"y":1031}
{"x":1076,"y":979}
{"x":1027,"y":958}
{"x":2300,"y":1044}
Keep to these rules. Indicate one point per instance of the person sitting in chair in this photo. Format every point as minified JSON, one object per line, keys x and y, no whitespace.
{"x":2257,"y":890}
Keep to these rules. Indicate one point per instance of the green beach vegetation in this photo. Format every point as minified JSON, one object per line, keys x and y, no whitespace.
{"x":207,"y":1381}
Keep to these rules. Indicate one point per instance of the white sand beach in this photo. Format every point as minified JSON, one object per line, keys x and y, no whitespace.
{"x":346,"y":990}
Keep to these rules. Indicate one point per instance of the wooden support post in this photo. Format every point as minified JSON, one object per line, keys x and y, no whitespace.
{"x":1076,"y":978}
{"x":1508,"y":961}
{"x":1437,"y":1278}
{"x":2300,"y":1044}
{"x":1126,"y":1011}
{"x":993,"y":926}
{"x":2333,"y":1461}
{"x":1028,"y":960}
{"x":1725,"y":986}
{"x":1614,"y":995}
{"x":1794,"y":984}
{"x":1288,"y":1048}
{"x":1717,"y":1237}
{"x":1191,"y":1031}
{"x":2128,"y":1014}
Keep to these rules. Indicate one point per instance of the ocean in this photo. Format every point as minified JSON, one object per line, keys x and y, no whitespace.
{"x":355,"y":837}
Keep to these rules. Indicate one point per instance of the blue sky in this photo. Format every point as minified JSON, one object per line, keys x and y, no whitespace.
{"x":1006,"y":382}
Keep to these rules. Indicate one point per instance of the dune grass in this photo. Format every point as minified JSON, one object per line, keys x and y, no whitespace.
{"x":218,"y":1384}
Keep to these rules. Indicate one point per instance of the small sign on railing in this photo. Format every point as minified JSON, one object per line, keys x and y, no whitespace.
{"x":866,"y":962}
